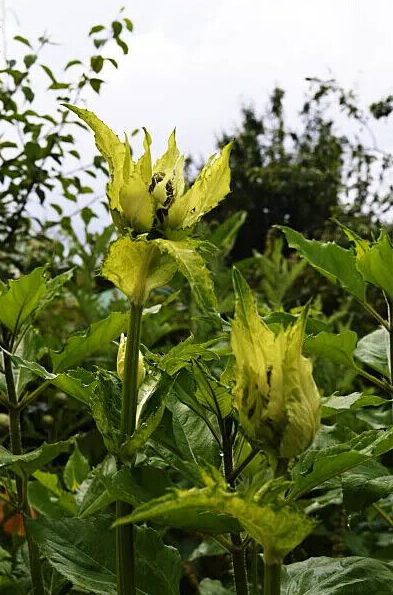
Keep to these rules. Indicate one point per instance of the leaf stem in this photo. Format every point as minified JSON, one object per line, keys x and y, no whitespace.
{"x":238,"y":554}
{"x":250,"y":457}
{"x":125,"y":536}
{"x":254,"y":568}
{"x":272,"y":580}
{"x":37,"y":579}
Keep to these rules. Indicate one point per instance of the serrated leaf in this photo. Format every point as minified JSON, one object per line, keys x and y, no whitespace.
{"x":192,"y":436}
{"x":365,"y":485}
{"x":76,"y":470}
{"x":277,"y":530}
{"x":317,"y":466}
{"x":333,"y":261}
{"x":337,"y":576}
{"x":92,"y":495}
{"x":182,"y":354}
{"x":28,"y":295}
{"x":336,"y":404}
{"x":77,"y":550}
{"x":21,"y":299}
{"x":373,"y":350}
{"x":77,"y":383}
{"x":211,"y":393}
{"x":193,"y":267}
{"x":376,"y":262}
{"x":35,"y":459}
{"x":96,"y":338}
{"x":338,"y":348}
{"x":149,"y":418}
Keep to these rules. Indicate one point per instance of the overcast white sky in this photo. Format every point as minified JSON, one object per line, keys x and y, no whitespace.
{"x":192,"y":63}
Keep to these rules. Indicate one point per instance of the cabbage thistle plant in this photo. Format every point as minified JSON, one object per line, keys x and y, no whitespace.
{"x":154,"y":214}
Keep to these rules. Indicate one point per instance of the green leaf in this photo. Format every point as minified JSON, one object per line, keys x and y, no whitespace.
{"x":32,"y":348}
{"x":97,"y":62}
{"x":376,"y":263}
{"x":35,"y":459}
{"x":78,"y":383}
{"x":48,"y":499}
{"x":336,"y":404}
{"x":76,"y":470}
{"x":149,"y":418}
{"x":373,"y":350}
{"x":28,"y":295}
{"x":22,"y":40}
{"x":95,"y":339}
{"x":83,"y":551}
{"x":193,"y":267}
{"x":337,"y":576}
{"x":182,"y":354}
{"x":338,"y":348}
{"x":211,"y":393}
{"x":95,"y":84}
{"x":105,"y":405}
{"x":92,"y":495}
{"x":365,"y":485}
{"x":192,"y":436}
{"x":317,"y":466}
{"x":96,"y":29}
{"x":22,"y":298}
{"x":334,"y":262}
{"x":277,"y":530}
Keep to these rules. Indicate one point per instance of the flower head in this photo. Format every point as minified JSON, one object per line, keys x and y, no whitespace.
{"x":275,"y":393}
{"x":147,"y":197}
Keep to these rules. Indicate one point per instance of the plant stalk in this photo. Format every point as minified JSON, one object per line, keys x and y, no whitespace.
{"x":37,"y":579}
{"x":125,"y":535}
{"x":272,"y":581}
{"x":238,"y":554}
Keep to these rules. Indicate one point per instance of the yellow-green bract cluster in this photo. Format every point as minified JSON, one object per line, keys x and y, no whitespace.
{"x":275,"y":393}
{"x":144,"y":196}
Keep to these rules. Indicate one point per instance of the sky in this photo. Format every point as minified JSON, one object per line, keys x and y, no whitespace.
{"x":194,"y":63}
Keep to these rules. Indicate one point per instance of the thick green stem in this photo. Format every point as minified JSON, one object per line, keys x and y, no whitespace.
{"x":37,"y":580}
{"x":125,"y":538}
{"x":254,"y":568}
{"x":272,"y":582}
{"x":238,"y":554}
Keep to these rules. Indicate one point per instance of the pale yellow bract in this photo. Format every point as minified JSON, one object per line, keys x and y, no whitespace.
{"x":275,"y":393}
{"x":151,"y":196}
